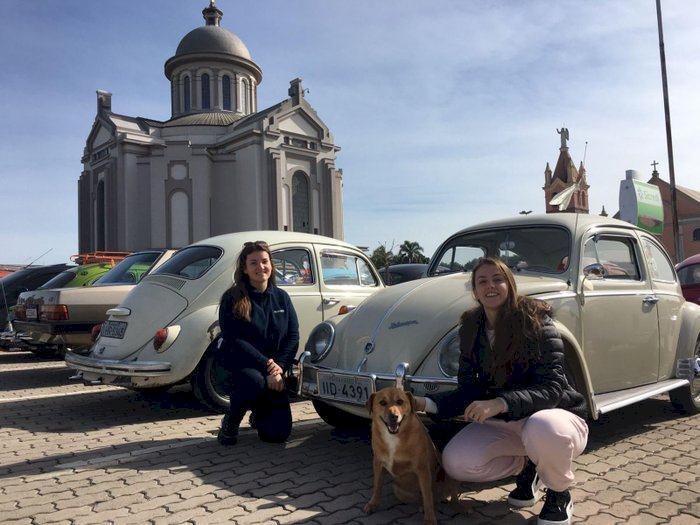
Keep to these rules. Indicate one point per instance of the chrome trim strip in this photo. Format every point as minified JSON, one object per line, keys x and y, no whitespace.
{"x":608,"y":402}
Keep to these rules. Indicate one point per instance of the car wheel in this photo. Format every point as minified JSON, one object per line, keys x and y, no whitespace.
{"x":687,"y":398}
{"x":207,"y":383}
{"x":337,"y":418}
{"x":46,"y":351}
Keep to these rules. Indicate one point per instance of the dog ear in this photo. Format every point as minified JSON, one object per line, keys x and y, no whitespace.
{"x":412,"y":400}
{"x":370,"y":402}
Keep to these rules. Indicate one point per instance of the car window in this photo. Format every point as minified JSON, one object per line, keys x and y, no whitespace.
{"x":532,"y":248}
{"x":129,"y":270}
{"x":690,"y":274}
{"x":191,"y":262}
{"x":339,"y":268}
{"x":615,"y":254}
{"x":660,"y":267}
{"x":293,"y":267}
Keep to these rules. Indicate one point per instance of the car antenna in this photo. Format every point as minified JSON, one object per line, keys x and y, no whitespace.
{"x":35,"y":260}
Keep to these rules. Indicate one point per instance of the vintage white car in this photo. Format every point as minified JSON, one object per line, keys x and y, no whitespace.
{"x":628,"y":332}
{"x":166,"y":330}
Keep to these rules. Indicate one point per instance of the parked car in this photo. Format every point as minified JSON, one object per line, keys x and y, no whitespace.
{"x":628,"y":332}
{"x":166,"y":330}
{"x":689,"y":275}
{"x":49,"y":321}
{"x":400,"y":273}
{"x":23,"y":280}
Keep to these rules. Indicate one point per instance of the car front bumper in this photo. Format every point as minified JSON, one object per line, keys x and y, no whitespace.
{"x":309,"y":385}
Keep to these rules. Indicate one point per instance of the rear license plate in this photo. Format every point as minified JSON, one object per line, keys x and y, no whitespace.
{"x":352,"y":389}
{"x":115,"y":329}
{"x":32,"y":313}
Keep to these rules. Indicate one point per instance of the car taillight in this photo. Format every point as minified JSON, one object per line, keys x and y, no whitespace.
{"x":53,"y":312}
{"x":345,"y":309}
{"x":159,"y":338}
{"x":95,"y":332}
{"x":20,"y":312}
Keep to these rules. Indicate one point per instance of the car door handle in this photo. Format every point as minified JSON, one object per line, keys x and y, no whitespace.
{"x":331,"y":301}
{"x":650,"y":299}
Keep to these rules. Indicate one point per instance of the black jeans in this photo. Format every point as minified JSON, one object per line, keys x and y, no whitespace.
{"x":248,"y":390}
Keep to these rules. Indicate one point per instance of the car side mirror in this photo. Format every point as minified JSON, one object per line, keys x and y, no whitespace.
{"x":595,"y":271}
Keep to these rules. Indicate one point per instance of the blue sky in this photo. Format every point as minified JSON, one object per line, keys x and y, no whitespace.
{"x":446,"y":111}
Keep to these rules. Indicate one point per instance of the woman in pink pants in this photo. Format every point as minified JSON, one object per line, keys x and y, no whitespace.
{"x":525,"y":418}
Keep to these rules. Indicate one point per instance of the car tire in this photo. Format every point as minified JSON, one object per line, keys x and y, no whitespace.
{"x":46,"y":351}
{"x":686,"y":399}
{"x":337,"y":418}
{"x":206,"y":381}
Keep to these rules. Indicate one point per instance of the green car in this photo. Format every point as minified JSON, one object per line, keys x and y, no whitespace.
{"x":83,"y":275}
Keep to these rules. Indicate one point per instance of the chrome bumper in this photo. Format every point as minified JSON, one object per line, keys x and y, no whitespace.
{"x":401,"y":378}
{"x":113,"y":367}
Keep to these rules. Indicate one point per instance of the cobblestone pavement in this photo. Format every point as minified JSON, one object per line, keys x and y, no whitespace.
{"x":71,"y":454}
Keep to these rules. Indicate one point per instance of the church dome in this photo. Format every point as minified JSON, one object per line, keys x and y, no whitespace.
{"x":212,"y":39}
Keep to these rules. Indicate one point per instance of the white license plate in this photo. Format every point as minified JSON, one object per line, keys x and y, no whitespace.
{"x":32,"y":312}
{"x":115,"y":329}
{"x":352,"y":389}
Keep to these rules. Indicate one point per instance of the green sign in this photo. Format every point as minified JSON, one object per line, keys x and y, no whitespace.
{"x":650,"y":207}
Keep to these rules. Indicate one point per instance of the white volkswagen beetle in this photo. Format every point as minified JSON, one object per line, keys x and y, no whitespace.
{"x":166,"y":330}
{"x":627,"y":330}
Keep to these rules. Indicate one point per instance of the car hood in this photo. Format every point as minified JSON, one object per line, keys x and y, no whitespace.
{"x":151,"y":307}
{"x":403,"y":323}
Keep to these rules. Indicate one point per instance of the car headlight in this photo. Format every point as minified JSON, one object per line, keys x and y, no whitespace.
{"x":320,"y":341}
{"x":448,"y":357}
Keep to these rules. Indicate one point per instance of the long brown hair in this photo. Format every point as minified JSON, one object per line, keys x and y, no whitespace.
{"x":520,"y":319}
{"x":242,"y":306}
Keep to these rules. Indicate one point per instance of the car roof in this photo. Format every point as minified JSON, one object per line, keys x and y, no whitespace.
{"x":236,"y":240}
{"x":693,"y":259}
{"x":568,"y":220}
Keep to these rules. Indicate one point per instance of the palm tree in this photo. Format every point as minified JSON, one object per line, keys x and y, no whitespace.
{"x":411,"y":252}
{"x":382,"y":258}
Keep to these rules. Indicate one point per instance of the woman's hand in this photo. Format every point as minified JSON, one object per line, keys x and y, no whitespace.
{"x":420,"y":403}
{"x":480,"y":411}
{"x":273,"y":368}
{"x":275,"y":382}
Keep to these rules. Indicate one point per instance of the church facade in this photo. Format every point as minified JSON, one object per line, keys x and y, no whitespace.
{"x":218,"y":165}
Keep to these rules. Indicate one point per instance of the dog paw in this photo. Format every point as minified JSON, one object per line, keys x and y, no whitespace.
{"x":370,"y":507}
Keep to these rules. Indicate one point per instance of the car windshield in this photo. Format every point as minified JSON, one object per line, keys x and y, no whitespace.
{"x":191,"y":262}
{"x":527,"y":248}
{"x":131,"y":269}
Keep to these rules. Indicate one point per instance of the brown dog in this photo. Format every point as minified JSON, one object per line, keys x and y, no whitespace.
{"x":402,"y":446}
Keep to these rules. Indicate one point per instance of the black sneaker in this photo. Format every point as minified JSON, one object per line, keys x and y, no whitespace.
{"x":557,"y":510}
{"x":527,"y":487}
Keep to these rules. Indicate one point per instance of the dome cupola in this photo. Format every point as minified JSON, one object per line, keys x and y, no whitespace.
{"x":212,"y":70}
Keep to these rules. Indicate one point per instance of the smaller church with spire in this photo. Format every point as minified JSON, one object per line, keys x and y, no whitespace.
{"x":218,"y":165}
{"x":566,"y":189}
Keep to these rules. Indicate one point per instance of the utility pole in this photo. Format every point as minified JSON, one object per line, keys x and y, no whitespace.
{"x":669,"y":142}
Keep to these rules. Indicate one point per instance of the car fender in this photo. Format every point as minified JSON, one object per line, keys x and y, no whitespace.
{"x":689,"y":332}
{"x":576,"y":365}
{"x":197,"y":330}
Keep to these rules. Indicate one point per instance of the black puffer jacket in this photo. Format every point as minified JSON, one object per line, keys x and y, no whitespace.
{"x":540,"y":385}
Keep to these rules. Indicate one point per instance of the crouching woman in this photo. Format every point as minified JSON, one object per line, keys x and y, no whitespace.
{"x":260,"y":334}
{"x":525,"y":418}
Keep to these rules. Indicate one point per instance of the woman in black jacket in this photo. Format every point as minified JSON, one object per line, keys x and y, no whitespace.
{"x":525,"y":418}
{"x":260,"y":334}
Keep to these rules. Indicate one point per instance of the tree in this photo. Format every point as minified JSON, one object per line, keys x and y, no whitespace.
{"x":411,"y":252}
{"x":382,"y":258}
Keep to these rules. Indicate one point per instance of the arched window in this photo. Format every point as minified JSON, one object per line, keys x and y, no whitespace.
{"x":226,"y":89}
{"x":696,"y":234}
{"x":300,"y":203}
{"x":206,"y":98}
{"x":186,"y":91}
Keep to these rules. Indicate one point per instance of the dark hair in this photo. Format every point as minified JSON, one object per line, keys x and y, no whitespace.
{"x":520,"y":319}
{"x":241,"y":283}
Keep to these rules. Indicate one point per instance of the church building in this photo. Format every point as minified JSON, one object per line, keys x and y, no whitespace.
{"x":565,"y":190}
{"x":218,"y":165}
